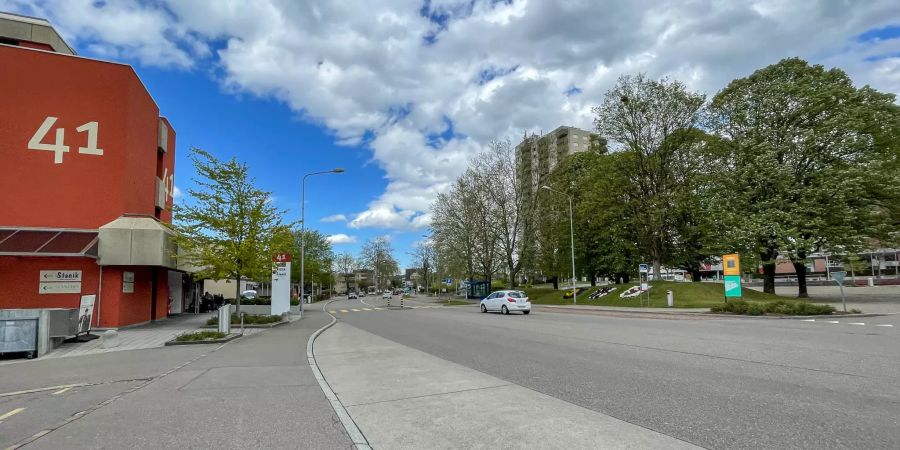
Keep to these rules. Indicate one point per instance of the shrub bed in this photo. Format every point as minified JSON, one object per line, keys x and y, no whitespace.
{"x":797,"y":308}
{"x":200,"y":336}
{"x":262,"y":301}
{"x":249,"y":319}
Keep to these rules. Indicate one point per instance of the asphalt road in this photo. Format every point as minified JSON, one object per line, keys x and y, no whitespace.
{"x":723,"y":383}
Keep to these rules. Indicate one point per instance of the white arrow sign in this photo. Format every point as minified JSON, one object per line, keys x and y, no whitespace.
{"x":60,"y":275}
{"x":63,"y":287}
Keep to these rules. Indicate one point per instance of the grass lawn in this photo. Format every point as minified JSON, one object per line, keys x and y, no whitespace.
{"x":687,"y":295}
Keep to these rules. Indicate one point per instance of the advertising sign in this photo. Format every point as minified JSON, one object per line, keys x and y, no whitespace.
{"x":731,"y":264}
{"x":732,"y":286}
{"x":86,"y":313}
{"x":281,"y":283}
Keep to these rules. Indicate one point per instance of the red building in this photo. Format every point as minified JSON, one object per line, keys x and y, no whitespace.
{"x":87,"y":186}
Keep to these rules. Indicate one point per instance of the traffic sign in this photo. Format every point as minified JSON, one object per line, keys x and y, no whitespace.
{"x":644,"y":268}
{"x":838,"y":277}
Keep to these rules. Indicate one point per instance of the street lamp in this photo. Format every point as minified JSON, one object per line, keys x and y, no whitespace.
{"x":303,"y":226}
{"x":571,"y":241}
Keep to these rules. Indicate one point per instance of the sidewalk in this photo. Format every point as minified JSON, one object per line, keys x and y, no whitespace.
{"x":151,"y":335}
{"x":404,"y":398}
{"x":254,"y":392}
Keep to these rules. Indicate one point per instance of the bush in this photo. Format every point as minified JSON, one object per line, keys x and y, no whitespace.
{"x":200,"y":336}
{"x":249,"y":319}
{"x":798,"y":308}
{"x":262,"y":301}
{"x":855,"y":311}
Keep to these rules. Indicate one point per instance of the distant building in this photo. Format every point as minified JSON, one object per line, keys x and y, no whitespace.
{"x":537,"y":156}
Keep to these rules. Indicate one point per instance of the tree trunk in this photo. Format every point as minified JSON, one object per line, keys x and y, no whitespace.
{"x":555,"y":282}
{"x":695,"y":275}
{"x":769,"y":278}
{"x":768,"y":263}
{"x":626,"y":278}
{"x":656,"y":270}
{"x":593,"y":279}
{"x":237,"y":296}
{"x":800,"y":268}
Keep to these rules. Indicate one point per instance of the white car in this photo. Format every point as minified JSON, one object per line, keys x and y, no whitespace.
{"x":506,"y":301}
{"x":248,"y":294}
{"x":386,"y":294}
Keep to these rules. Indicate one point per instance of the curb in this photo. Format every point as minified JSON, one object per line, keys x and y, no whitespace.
{"x":225,"y":339}
{"x":359,"y":440}
{"x":705,"y":314}
{"x":255,"y":325}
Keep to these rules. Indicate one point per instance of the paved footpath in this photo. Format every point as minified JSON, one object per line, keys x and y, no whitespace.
{"x":254,"y":392}
{"x":400,"y":398}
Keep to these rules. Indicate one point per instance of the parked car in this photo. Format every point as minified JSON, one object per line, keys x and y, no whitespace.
{"x":362,"y":293}
{"x":248,"y":294}
{"x":386,"y":294}
{"x":352,"y":296}
{"x":506,"y":301}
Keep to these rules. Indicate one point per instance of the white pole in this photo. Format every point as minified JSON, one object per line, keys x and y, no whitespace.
{"x":572,"y":242}
{"x":302,"y":238}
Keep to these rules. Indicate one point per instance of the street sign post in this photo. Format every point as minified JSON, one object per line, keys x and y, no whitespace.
{"x":731,"y":268}
{"x":838,"y":278}
{"x":281,"y":284}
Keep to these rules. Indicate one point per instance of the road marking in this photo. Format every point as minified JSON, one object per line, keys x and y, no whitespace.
{"x":884,"y":325}
{"x":51,"y":388}
{"x":11,"y":413}
{"x":366,"y":309}
{"x":856,"y":323}
{"x":379,"y":309}
{"x":354,"y":310}
{"x":332,"y":311}
{"x":807,"y":320}
{"x":61,"y":391}
{"x":344,"y":310}
{"x":832,"y":321}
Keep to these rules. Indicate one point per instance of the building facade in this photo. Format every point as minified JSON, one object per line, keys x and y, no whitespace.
{"x":87,"y":193}
{"x":537,"y":156}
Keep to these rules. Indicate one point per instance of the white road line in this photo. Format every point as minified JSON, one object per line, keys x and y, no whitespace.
{"x":344,"y":310}
{"x":366,"y":309}
{"x":51,"y":388}
{"x":807,"y":320}
{"x":61,"y":391}
{"x":11,"y":413}
{"x":354,"y":310}
{"x":379,"y":309}
{"x":856,"y":323}
{"x":332,"y":311}
{"x":832,"y":321}
{"x":884,"y":325}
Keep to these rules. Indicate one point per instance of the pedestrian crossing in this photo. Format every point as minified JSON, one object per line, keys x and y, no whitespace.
{"x":353,"y":310}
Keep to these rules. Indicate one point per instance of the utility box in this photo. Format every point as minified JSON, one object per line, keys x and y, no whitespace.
{"x":670,"y":298}
{"x":19,"y":334}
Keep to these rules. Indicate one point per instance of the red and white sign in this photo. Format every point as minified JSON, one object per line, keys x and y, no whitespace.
{"x":281,"y":257}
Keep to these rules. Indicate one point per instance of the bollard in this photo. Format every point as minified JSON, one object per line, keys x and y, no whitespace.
{"x":670,"y":298}
{"x":109,"y":339}
{"x":871,"y":281}
{"x":401,"y":302}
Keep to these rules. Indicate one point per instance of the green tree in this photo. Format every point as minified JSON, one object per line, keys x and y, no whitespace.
{"x":804,"y":146}
{"x":319,"y":258}
{"x":378,"y":255}
{"x":651,"y":120}
{"x":228,"y":228}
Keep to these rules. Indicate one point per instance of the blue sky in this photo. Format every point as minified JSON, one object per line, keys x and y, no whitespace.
{"x":277,"y":144}
{"x":403,"y":93}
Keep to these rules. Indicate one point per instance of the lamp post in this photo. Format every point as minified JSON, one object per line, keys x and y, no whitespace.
{"x":303,"y":227}
{"x":571,"y":240}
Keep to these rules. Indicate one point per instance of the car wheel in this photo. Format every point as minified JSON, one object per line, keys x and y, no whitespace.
{"x":504,"y":310}
{"x":526,"y":312}
{"x":483,"y":308}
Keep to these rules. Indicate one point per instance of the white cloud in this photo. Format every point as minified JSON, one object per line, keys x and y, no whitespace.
{"x":424,"y":94}
{"x":176,"y":192}
{"x":335,"y":218}
{"x":341,"y":239}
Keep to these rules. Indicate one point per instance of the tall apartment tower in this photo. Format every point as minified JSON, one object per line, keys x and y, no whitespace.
{"x":537,"y":156}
